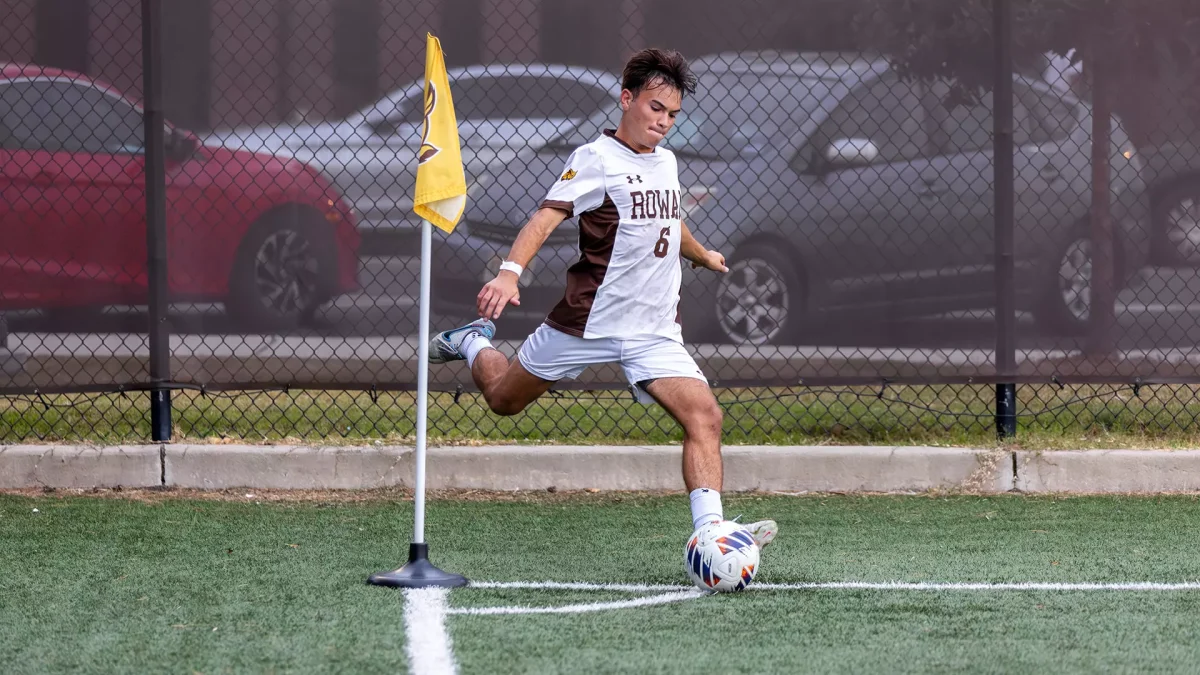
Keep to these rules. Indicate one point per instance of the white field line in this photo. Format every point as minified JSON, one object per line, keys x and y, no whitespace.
{"x":429,"y":649}
{"x":1014,"y":586}
{"x":1136,"y":586}
{"x":644,"y":601}
{"x":577,"y":586}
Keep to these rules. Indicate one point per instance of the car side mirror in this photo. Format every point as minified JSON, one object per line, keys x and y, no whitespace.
{"x":850,"y":152}
{"x":179,"y":146}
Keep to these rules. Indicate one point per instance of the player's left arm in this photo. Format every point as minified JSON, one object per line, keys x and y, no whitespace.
{"x":699,"y":256}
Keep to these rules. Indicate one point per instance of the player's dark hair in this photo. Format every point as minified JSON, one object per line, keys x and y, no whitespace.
{"x":649,"y":66}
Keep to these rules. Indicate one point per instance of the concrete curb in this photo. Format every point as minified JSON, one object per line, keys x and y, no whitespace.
{"x":801,"y":469}
{"x":286,"y":467}
{"x":517,"y":467}
{"x":62,"y":466}
{"x":864,"y":469}
{"x":766,"y":468}
{"x":1106,"y":471}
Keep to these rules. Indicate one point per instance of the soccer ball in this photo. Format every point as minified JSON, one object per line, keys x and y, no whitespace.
{"x":721,"y":556}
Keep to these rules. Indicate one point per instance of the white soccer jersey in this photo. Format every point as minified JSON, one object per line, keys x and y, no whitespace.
{"x":626,"y":282}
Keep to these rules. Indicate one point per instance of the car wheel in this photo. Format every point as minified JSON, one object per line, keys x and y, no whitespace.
{"x":285,"y":270}
{"x":1178,"y":210}
{"x":1065,"y":294}
{"x":760,"y":299}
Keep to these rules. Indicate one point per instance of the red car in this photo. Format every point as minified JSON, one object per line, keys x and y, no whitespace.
{"x":265,"y":235}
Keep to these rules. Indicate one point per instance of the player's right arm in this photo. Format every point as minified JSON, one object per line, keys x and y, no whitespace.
{"x":579,"y":188}
{"x":503,"y":291}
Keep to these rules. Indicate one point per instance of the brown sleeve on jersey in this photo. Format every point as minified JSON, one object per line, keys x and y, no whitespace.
{"x":597,"y":236}
{"x":561,"y":206}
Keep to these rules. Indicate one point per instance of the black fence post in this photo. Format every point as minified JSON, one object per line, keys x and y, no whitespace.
{"x":1002,"y":98}
{"x":156,"y":221}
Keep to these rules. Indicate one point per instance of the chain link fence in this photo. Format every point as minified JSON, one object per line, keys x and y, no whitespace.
{"x":892,"y":260}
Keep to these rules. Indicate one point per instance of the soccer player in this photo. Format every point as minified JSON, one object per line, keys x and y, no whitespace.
{"x":622,"y":296}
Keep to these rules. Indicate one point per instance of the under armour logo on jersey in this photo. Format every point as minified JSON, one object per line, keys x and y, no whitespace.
{"x":634,"y":179}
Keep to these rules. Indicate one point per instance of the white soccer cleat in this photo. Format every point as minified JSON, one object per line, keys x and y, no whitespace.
{"x":763,"y":531}
{"x":445,"y":346}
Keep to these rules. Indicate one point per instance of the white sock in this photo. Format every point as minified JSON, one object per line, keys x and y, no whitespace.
{"x":472,"y":345}
{"x":706,"y":506}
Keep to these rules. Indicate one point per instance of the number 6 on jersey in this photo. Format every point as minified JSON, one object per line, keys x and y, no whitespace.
{"x":662,"y":245}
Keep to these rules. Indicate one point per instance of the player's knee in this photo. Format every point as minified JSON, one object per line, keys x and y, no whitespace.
{"x":715,"y":417}
{"x":505,"y":406}
{"x":706,"y":420}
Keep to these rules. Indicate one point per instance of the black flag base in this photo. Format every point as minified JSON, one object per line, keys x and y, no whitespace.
{"x":418,"y":572}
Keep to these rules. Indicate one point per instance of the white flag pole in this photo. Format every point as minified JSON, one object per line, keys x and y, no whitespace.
{"x":422,"y":382}
{"x":419,"y":572}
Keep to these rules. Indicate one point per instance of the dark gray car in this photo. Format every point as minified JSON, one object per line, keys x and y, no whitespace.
{"x":834,"y":189}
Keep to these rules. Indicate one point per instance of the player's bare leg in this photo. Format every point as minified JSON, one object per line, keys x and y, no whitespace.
{"x":507,"y":387}
{"x":692,"y":404}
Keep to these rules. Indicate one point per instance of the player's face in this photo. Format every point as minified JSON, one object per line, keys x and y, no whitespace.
{"x":650,"y":115}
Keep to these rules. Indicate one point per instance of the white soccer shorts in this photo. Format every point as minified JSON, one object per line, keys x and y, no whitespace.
{"x":553,"y":355}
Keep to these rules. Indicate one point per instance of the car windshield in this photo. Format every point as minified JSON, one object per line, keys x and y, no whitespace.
{"x":731,"y":116}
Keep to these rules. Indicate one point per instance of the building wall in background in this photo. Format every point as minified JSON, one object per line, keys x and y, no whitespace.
{"x":242,"y":51}
{"x":61,"y":30}
{"x":115,"y":44}
{"x":17,"y":40}
{"x":248,"y":62}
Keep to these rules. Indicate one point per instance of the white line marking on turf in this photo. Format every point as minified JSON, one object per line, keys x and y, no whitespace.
{"x":429,"y":649}
{"x":677,"y":596}
{"x":577,"y":586}
{"x":668,"y":593}
{"x":1015,"y":586}
{"x":853,"y":585}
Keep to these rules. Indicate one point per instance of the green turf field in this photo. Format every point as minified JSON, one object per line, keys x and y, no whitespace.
{"x":251,"y":585}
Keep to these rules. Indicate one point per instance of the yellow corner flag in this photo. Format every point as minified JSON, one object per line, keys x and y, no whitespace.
{"x":441,"y":192}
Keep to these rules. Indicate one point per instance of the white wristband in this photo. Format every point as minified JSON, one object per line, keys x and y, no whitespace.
{"x":512,"y":267}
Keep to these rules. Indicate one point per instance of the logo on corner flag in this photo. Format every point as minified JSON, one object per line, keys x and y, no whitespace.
{"x":428,"y":150}
{"x":440,"y":194}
